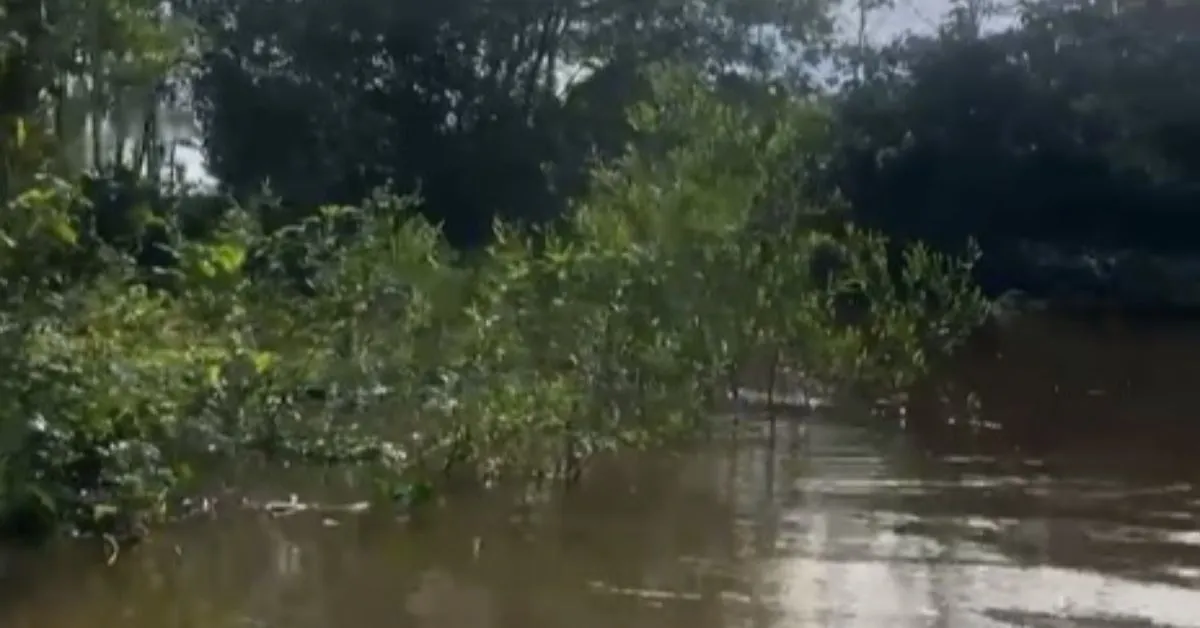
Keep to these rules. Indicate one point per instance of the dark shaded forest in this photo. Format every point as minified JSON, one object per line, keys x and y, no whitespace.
{"x":1064,"y":143}
{"x":1077,"y":128}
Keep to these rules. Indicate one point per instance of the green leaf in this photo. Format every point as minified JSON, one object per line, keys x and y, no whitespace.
{"x":20,"y":133}
{"x":213,"y":375}
{"x":228,"y":257}
{"x":263,"y":361}
{"x":62,"y":229}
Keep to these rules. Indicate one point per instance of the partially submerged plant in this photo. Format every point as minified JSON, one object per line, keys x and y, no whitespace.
{"x":687,"y":261}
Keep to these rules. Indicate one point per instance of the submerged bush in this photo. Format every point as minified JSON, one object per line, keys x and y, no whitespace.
{"x":623,"y":326}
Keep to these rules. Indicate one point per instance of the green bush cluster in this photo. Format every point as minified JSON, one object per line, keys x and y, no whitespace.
{"x":623,"y":325}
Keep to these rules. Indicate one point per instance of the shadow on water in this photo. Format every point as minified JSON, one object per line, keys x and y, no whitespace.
{"x":1048,"y":486}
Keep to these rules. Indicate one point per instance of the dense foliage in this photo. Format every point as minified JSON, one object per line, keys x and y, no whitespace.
{"x":1075,"y":128}
{"x":487,"y":236}
{"x":623,"y":325}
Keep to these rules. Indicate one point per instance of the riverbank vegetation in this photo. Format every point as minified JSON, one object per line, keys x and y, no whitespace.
{"x":359,"y":335}
{"x":473,"y":238}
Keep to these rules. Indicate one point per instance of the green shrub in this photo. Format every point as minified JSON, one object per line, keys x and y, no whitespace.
{"x":623,"y":326}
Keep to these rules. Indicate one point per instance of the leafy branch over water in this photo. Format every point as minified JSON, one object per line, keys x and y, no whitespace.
{"x":620,"y":326}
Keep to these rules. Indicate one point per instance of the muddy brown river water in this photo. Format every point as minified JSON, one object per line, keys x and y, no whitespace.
{"x":1046,"y":480}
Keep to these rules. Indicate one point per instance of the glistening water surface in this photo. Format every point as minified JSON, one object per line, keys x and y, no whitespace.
{"x":1047,"y":481}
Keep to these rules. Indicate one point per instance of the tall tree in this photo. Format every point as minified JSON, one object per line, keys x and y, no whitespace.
{"x":87,"y":81}
{"x":1077,"y":126}
{"x":467,"y":100}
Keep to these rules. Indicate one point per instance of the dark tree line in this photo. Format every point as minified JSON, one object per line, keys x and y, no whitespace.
{"x":473,"y":103}
{"x":1080,"y":126}
{"x":1076,"y":127}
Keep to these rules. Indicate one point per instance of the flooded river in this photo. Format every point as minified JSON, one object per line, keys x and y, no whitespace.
{"x":1048,"y":480}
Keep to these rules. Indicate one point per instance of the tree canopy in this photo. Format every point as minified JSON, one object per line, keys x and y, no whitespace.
{"x":488,"y":107}
{"x":1080,"y":125}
